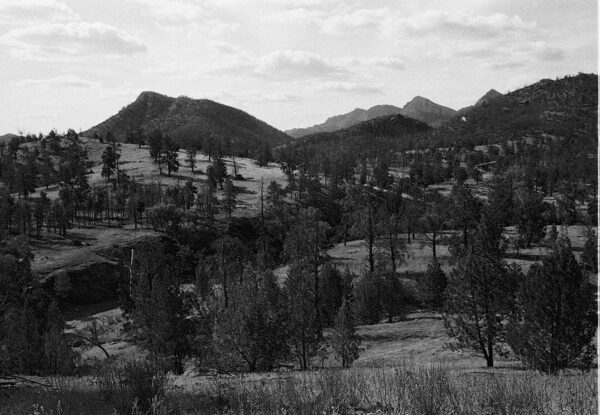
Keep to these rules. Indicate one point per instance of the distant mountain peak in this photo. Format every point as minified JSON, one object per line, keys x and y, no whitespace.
{"x":186,"y":119}
{"x":424,"y":109}
{"x":340,"y":122}
{"x":490,"y":95}
{"x":419,"y":108}
{"x":149,"y":94}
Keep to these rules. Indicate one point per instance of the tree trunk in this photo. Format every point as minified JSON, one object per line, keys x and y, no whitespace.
{"x":489,"y":359}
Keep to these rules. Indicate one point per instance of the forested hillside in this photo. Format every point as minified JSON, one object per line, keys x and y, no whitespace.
{"x":188,"y":121}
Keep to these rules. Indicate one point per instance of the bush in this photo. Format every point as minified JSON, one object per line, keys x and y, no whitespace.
{"x":368,"y":300}
{"x":428,"y":390}
{"x":137,"y":382}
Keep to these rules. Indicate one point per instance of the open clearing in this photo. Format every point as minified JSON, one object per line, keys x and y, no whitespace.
{"x":138,"y":164}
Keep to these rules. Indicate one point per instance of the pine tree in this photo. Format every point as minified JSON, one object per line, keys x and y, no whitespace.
{"x":589,"y":256}
{"x":436,"y":282}
{"x":155,"y":140}
{"x":59,"y":356}
{"x":465,"y":210}
{"x":110,"y":159}
{"x":304,"y":327}
{"x":361,"y":214}
{"x":304,"y":245}
{"x":332,"y":289}
{"x":558,"y":314}
{"x":230,"y":194}
{"x":219,"y":171}
{"x":434,"y":218}
{"x":392,"y":296}
{"x":169,"y":155}
{"x":530,"y":215}
{"x":479,"y":301}
{"x":369,"y":303}
{"x":344,"y":340}
{"x":158,"y":307}
{"x":191,"y":157}
{"x":253,"y":329}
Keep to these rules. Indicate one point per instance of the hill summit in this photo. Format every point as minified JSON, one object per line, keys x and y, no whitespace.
{"x":429,"y":112}
{"x":489,"y":96}
{"x":186,"y":119}
{"x":419,"y":108}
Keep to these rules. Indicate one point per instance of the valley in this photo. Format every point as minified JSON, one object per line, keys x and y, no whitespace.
{"x":381,"y":267}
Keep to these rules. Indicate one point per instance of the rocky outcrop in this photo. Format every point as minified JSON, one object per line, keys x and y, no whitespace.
{"x":90,"y":272}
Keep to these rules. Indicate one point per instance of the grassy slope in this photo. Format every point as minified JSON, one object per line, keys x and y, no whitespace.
{"x":139,"y":166}
{"x":54,"y":252}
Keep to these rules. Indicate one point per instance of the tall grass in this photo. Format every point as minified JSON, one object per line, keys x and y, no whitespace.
{"x":405,"y":389}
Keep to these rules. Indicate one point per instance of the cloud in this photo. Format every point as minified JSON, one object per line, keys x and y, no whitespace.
{"x":494,"y":40}
{"x":279,"y":65}
{"x":60,"y":82}
{"x":350,"y":87}
{"x":21,"y":12}
{"x":226,"y":48}
{"x":511,"y":56}
{"x":283,"y":65}
{"x":256,"y":97}
{"x":390,"y":23}
{"x":391,"y":63}
{"x":172,"y":11}
{"x":462,"y":25}
{"x":357,"y":21}
{"x":69,"y":41}
{"x":295,"y":64}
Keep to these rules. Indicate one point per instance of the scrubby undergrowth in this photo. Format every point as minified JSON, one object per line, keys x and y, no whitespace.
{"x":404,"y":389}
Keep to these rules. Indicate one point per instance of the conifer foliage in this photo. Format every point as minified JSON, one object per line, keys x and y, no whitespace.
{"x":558,"y":317}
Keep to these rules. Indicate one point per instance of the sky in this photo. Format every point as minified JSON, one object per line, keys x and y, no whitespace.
{"x":292,"y":63}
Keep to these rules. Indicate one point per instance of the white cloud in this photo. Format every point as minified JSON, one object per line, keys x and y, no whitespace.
{"x":389,"y":23}
{"x":57,"y":41}
{"x":21,"y":12}
{"x":172,"y":11}
{"x":299,"y":65}
{"x":350,"y":87}
{"x":371,"y":20}
{"x":391,"y":63}
{"x":462,"y":25}
{"x":60,"y":83}
{"x":510,"y":55}
{"x":226,"y":48}
{"x":256,"y":97}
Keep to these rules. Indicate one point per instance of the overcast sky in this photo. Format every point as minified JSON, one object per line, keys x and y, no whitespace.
{"x":292,"y":63}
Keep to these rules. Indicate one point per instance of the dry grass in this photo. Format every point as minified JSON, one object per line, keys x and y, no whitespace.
{"x":419,"y":254}
{"x":139,"y":165}
{"x":402,"y":389}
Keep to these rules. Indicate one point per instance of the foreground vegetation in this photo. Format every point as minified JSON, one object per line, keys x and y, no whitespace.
{"x":405,"y":389}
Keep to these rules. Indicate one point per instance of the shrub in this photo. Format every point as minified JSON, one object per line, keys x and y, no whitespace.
{"x":138,"y":382}
{"x":428,"y":390}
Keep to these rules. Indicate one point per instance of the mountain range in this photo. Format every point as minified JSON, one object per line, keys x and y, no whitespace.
{"x":558,"y":109}
{"x":185,"y":119}
{"x":376,"y":132}
{"x":419,"y":108}
{"x":565,"y":107}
